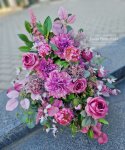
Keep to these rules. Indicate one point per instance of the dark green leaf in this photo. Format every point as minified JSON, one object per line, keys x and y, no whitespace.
{"x":56,"y":19}
{"x":71,"y":96}
{"x":33,"y":116}
{"x":69,"y":15}
{"x":47,"y":25}
{"x":86,"y":122}
{"x":51,"y":100}
{"x":31,"y":124}
{"x":29,"y":44}
{"x":23,"y":37}
{"x":24,"y":49}
{"x":28,"y":26}
{"x":110,"y":85}
{"x":53,"y":46}
{"x":23,"y":118}
{"x":69,"y":28}
{"x":103,"y":121}
{"x":90,"y":133}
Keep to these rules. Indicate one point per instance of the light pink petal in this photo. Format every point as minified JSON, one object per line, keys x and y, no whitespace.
{"x":71,"y":33}
{"x":52,"y":111}
{"x":25,"y":103}
{"x":18,"y":87}
{"x":71,"y":19}
{"x":57,"y":103}
{"x":11,"y":104}
{"x":64,"y":29}
{"x":35,"y":96}
{"x":9,"y":90}
{"x":102,"y":139}
{"x":56,"y":31}
{"x":106,"y":94}
{"x":62,"y":13}
{"x":13,"y":94}
{"x":57,"y":24}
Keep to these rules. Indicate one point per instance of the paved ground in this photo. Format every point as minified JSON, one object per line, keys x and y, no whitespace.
{"x":101,"y":19}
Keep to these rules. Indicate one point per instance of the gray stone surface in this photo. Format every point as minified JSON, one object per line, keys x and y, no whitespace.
{"x":98,"y":18}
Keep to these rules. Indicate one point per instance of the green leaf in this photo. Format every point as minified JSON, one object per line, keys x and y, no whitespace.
{"x":51,"y":100}
{"x":80,"y":30}
{"x":61,"y":62}
{"x":90,"y":133}
{"x":56,"y":19}
{"x":93,"y":122}
{"x":31,"y":124}
{"x":23,"y":37}
{"x":83,"y":113}
{"x":47,"y":25}
{"x":53,"y":46}
{"x":69,"y":28}
{"x":69,"y":15}
{"x":71,"y":96}
{"x":73,"y":129}
{"x":20,"y":56}
{"x":23,"y":118}
{"x":28,"y":26}
{"x":65,"y":64}
{"x":29,"y":44}
{"x":110,"y":85}
{"x":103,"y":121}
{"x":66,"y":100}
{"x":86,"y":74}
{"x":24,"y":49}
{"x":40,"y":28}
{"x":33,"y":116}
{"x":111,"y":76}
{"x":86,"y":122}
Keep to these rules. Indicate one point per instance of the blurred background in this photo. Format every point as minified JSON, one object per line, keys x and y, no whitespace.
{"x":102,"y":20}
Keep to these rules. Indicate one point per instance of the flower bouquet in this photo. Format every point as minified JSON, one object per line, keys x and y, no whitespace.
{"x":64,"y":83}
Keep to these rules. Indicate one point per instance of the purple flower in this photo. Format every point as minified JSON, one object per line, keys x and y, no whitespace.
{"x":62,"y":42}
{"x":58,"y":84}
{"x":45,"y":67}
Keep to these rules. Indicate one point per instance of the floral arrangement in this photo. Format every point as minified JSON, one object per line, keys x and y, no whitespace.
{"x":64,"y":82}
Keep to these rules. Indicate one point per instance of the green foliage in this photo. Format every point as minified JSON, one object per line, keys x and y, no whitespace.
{"x":110,"y":85}
{"x":90,"y":133}
{"x":43,"y":123}
{"x":73,"y":129}
{"x":86,"y":74}
{"x":47,"y":25}
{"x":69,"y":28}
{"x":40,"y":28}
{"x":103,"y":121}
{"x":56,"y":19}
{"x":93,"y":122}
{"x":81,"y":30}
{"x":71,"y":96}
{"x":53,"y":46}
{"x":86,"y":122}
{"x":29,"y":44}
{"x":60,"y":62}
{"x":83,"y":113}
{"x":31,"y":124}
{"x":24,"y":118}
{"x":24,"y":49}
{"x":28,"y":26}
{"x":23,"y":37}
{"x":51,"y":100}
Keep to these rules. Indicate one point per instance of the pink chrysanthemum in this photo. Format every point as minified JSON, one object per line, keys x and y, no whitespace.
{"x":61,"y":41}
{"x":44,"y":50}
{"x":64,"y":116}
{"x":72,"y":53}
{"x":45,"y":67}
{"x":58,"y":84}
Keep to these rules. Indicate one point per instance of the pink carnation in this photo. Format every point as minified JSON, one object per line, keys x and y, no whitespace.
{"x":64,"y":116}
{"x":96,"y":107}
{"x":72,"y":53}
{"x":85,"y":129}
{"x":30,"y":60}
{"x":58,"y":84}
{"x":79,"y":85}
{"x":61,"y":41}
{"x":44,"y":50}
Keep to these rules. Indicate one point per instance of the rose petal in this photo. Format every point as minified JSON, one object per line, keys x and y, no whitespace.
{"x":13,"y":94}
{"x":52,"y":111}
{"x":62,"y":13}
{"x":102,"y":139}
{"x":11,"y":104}
{"x":25,"y":103}
{"x":71,"y":19}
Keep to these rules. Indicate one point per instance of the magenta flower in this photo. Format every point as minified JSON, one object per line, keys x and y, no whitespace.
{"x":102,"y":139}
{"x":64,"y":116}
{"x":45,"y":67}
{"x":62,"y":42}
{"x":44,"y":50}
{"x":102,"y":72}
{"x":71,"y":53}
{"x":18,"y":87}
{"x":86,"y":54}
{"x":58,"y":84}
{"x":96,"y":107}
{"x":85,"y":129}
{"x":33,"y":18}
{"x":96,"y":130}
{"x":30,"y":60}
{"x":79,"y":85}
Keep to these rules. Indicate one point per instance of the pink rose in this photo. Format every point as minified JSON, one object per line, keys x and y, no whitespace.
{"x":30,"y":60}
{"x":85,"y":129}
{"x":79,"y":85}
{"x":87,"y":55}
{"x":64,"y":116}
{"x":96,"y":107}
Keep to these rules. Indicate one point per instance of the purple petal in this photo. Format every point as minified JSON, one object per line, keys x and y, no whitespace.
{"x":71,"y":19}
{"x":25,"y":103}
{"x":13,"y":94}
{"x":62,"y":13}
{"x":64,"y":29}
{"x":11,"y":104}
{"x":35,"y":96}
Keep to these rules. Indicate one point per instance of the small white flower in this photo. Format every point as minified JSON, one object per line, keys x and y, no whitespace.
{"x":17,"y":71}
{"x":97,"y":55}
{"x":42,"y":119}
{"x":99,"y":93}
{"x":101,"y":70}
{"x":54,"y":121}
{"x":54,"y":130}
{"x":99,"y":87}
{"x":48,"y":106}
{"x":91,"y":49}
{"x":44,"y":94}
{"x":111,"y":80}
{"x":47,"y":130}
{"x":78,"y":107}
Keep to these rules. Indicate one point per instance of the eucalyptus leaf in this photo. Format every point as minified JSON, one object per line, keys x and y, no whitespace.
{"x":23,"y":118}
{"x":33,"y":116}
{"x":83,"y":113}
{"x":86,"y":122}
{"x":93,"y":122}
{"x":110,"y":85}
{"x":31,"y":124}
{"x":43,"y":122}
{"x":86,"y":74}
{"x":53,"y":46}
